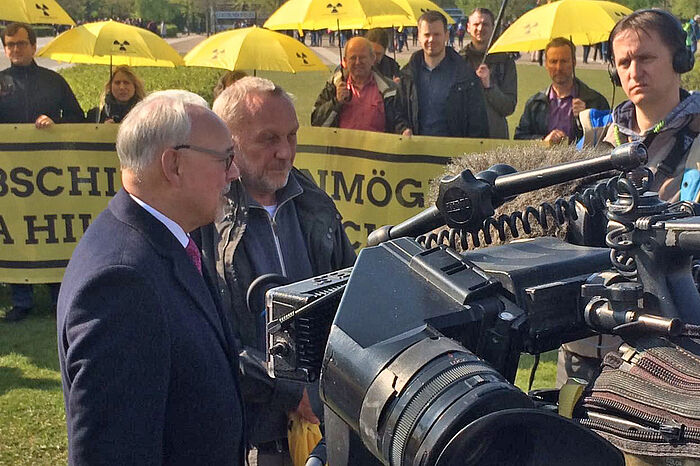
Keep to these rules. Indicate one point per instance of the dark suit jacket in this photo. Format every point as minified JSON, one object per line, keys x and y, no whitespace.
{"x":147,"y":358}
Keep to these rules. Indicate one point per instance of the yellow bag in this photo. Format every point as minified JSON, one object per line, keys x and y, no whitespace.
{"x":302,"y":437}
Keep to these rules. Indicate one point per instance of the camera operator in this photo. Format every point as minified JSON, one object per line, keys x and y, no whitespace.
{"x":647,"y":55}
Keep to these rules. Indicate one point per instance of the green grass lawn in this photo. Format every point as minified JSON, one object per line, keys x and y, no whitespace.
{"x":32,"y":421}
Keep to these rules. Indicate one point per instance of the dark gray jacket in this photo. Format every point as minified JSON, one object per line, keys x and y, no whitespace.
{"x":268,"y":400}
{"x":466,"y":108}
{"x":535,"y":119}
{"x":502,"y":96}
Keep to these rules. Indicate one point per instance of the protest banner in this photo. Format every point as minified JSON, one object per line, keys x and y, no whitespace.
{"x":54,"y":182}
{"x":378,"y":179}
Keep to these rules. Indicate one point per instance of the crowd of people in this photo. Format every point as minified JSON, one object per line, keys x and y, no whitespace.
{"x":159,"y":28}
{"x":440,"y":92}
{"x":161,"y":351}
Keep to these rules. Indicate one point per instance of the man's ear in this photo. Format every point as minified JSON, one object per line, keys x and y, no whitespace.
{"x":170,"y":165}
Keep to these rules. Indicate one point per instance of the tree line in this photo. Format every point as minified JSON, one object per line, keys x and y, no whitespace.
{"x":191,"y":12}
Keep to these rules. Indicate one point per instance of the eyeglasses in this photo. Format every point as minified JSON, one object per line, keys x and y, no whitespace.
{"x":226,"y":156}
{"x":20,"y":45}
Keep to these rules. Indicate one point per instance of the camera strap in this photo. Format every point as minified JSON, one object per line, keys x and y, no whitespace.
{"x":646,"y":400}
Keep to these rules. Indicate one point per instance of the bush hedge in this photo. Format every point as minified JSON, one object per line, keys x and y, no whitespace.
{"x":171,"y":30}
{"x":691,"y":80}
{"x":44,"y":31}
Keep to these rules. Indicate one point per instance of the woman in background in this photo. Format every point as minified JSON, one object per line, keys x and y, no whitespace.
{"x":121,"y":93}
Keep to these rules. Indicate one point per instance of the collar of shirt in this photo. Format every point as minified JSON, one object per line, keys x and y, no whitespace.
{"x":444,"y":63}
{"x":357,"y":91}
{"x":552,"y":94}
{"x":289,"y":191}
{"x":174,"y":228}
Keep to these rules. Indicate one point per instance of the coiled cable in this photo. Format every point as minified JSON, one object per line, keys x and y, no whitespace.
{"x":561,"y":211}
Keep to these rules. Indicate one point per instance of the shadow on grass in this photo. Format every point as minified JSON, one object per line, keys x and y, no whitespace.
{"x":33,"y":338}
{"x":12,"y":378}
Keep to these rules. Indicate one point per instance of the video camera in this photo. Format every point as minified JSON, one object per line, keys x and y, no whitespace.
{"x":417,"y":349}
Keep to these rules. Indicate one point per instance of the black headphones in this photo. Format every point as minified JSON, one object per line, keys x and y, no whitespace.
{"x":683,"y":59}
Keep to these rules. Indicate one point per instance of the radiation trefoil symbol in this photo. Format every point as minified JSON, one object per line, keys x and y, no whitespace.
{"x":121,"y":45}
{"x":44,"y":9}
{"x":303,"y":57}
{"x":216,"y":52}
{"x":334,"y":8}
{"x":529,"y":27}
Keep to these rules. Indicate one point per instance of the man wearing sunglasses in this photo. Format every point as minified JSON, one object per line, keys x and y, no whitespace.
{"x":277,"y":221}
{"x":148,"y":358}
{"x":31,"y":94}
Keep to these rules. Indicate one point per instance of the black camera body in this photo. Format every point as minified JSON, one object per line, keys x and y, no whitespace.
{"x":416,"y":348}
{"x":391,"y":333}
{"x":497,"y":302}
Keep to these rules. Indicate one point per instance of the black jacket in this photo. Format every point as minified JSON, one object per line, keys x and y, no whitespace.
{"x":112,"y":109}
{"x":27,"y":92}
{"x":267,"y":400}
{"x":466,"y":108}
{"x":388,"y":67}
{"x":535,"y":119}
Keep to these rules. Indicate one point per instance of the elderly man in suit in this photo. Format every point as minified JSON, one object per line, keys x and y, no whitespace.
{"x":148,"y":362}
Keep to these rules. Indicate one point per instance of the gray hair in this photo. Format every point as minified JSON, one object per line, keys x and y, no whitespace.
{"x":233,"y":104}
{"x":159,"y":121}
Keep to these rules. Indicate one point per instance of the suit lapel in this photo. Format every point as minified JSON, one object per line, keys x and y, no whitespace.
{"x":164,"y":242}
{"x":193,"y":283}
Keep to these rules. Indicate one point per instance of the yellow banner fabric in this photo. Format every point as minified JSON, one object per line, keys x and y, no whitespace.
{"x":54,"y":182}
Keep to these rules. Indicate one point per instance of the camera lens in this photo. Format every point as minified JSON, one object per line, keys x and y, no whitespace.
{"x":442,"y":397}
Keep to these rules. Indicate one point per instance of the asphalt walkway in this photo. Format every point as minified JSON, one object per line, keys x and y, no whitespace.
{"x":182,"y":44}
{"x":328,"y":53}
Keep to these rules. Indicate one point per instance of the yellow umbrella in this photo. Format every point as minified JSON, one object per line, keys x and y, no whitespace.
{"x":254,"y":48}
{"x":111,"y":43}
{"x":34,"y":12}
{"x":336,"y":14}
{"x":415,"y":8}
{"x":585,"y":22}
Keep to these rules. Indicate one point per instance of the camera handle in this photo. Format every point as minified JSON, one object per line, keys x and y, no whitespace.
{"x":653,"y":242}
{"x":466,"y":200}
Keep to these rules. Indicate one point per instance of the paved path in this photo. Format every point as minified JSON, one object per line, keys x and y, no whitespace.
{"x":182,"y":44}
{"x":328,"y":53}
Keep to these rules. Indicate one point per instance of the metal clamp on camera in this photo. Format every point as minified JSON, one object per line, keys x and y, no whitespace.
{"x":423,"y":345}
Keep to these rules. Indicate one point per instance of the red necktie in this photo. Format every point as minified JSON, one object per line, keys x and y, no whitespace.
{"x":195,"y":256}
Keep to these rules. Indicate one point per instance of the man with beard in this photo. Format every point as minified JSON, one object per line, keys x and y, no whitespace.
{"x":552,"y":114}
{"x":498,"y":75}
{"x":277,"y":222}
{"x":148,"y":359}
{"x":444,"y":96}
